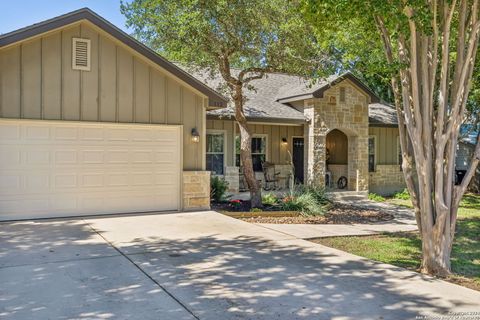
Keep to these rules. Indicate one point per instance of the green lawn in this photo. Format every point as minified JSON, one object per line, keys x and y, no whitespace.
{"x":404,"y":249}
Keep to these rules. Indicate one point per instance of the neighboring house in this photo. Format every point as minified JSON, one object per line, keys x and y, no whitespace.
{"x":93,"y":122}
{"x":331,"y":129}
{"x":465,"y":150}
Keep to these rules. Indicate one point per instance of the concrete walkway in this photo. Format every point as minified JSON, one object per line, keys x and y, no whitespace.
{"x":404,"y":221}
{"x":201,"y":265}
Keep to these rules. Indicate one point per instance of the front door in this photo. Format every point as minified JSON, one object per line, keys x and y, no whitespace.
{"x":298,"y":146}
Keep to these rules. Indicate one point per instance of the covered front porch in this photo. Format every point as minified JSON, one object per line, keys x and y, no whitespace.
{"x":278,"y":154}
{"x":284,"y":154}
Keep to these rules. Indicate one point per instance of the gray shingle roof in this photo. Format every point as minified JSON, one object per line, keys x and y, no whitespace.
{"x":316,"y":90}
{"x":304,"y":88}
{"x":382,"y":114}
{"x":261,"y":96}
{"x":262,"y":99}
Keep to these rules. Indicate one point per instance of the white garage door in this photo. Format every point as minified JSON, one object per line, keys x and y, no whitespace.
{"x":60,"y":168}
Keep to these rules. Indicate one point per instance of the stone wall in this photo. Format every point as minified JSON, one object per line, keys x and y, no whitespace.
{"x":232,"y":176}
{"x":196,"y":190}
{"x":387,"y":179}
{"x":349,"y":116}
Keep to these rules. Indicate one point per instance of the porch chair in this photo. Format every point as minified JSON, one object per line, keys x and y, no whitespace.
{"x":243,"y":186}
{"x":270,"y":176}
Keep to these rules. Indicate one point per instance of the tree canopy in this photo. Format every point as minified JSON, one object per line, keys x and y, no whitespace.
{"x":253,"y":34}
{"x":429,"y":54}
{"x":255,"y":37}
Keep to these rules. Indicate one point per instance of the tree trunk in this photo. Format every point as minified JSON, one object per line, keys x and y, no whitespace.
{"x":431,"y":93}
{"x":435,"y":261}
{"x":436,"y":251}
{"x":246,"y":154}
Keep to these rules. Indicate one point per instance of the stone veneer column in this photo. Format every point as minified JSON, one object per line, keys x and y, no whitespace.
{"x":232,"y":176}
{"x":196,"y":190}
{"x":351,"y":117}
{"x":315,"y":145}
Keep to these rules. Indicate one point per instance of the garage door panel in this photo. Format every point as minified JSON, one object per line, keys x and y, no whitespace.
{"x":65,"y":133}
{"x":92,"y":134}
{"x":37,"y":133}
{"x":10,"y":133}
{"x":87,"y":168}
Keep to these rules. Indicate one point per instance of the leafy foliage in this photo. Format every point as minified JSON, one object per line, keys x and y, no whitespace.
{"x":318,"y":193}
{"x":218,"y":189}
{"x":403,"y":195}
{"x":429,"y":56}
{"x":307,"y":200}
{"x":269,"y":199}
{"x":376,"y":197}
{"x":250,"y":33}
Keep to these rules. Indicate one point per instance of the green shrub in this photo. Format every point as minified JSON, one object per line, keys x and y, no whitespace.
{"x":218,"y":189}
{"x":403,"y":195}
{"x":318,"y":193}
{"x":306,"y":203}
{"x":376,"y":197}
{"x":256,"y":210}
{"x":269,"y":199}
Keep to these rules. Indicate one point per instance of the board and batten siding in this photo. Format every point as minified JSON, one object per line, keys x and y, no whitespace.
{"x":276,"y":152}
{"x":37,"y":82}
{"x":387,"y":144}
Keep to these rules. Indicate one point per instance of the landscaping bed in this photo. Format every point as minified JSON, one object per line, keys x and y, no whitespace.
{"x":337,"y":214}
{"x":334,"y":214}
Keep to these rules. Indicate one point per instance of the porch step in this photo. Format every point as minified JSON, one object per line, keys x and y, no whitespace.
{"x":339,"y":196}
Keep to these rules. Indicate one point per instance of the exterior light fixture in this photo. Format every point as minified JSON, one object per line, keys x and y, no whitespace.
{"x":284,"y":141}
{"x":195,"y":135}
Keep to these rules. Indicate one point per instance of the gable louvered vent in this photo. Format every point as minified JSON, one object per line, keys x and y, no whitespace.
{"x":81,"y":54}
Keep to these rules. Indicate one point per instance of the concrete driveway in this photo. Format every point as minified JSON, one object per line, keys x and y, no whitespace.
{"x":200,"y":265}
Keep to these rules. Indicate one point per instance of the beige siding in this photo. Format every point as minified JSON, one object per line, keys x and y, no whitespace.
{"x":276,"y":152}
{"x":31,"y":77}
{"x":89,"y":80}
{"x":387,"y":139}
{"x":37,"y":82}
{"x":51,"y":76}
{"x":10,"y":82}
{"x":70,"y":86}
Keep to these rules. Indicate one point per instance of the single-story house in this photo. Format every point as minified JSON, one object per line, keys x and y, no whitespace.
{"x":94,"y":122}
{"x":332,"y":129}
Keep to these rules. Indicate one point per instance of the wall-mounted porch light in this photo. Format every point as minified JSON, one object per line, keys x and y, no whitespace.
{"x":284,"y":141}
{"x":195,"y":135}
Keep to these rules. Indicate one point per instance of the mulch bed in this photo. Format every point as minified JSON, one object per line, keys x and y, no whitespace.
{"x":337,"y":214}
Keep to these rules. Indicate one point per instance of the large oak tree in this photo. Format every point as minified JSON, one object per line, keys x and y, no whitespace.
{"x":254,"y":37}
{"x":429,"y":51}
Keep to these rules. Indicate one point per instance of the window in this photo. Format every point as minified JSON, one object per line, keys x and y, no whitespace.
{"x":371,"y":154}
{"x":215,"y":152}
{"x":81,"y":54}
{"x":259,"y":151}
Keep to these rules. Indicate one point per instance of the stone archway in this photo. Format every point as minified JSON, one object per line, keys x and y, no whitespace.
{"x":348,"y":161}
{"x":336,"y":156}
{"x":348,"y":115}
